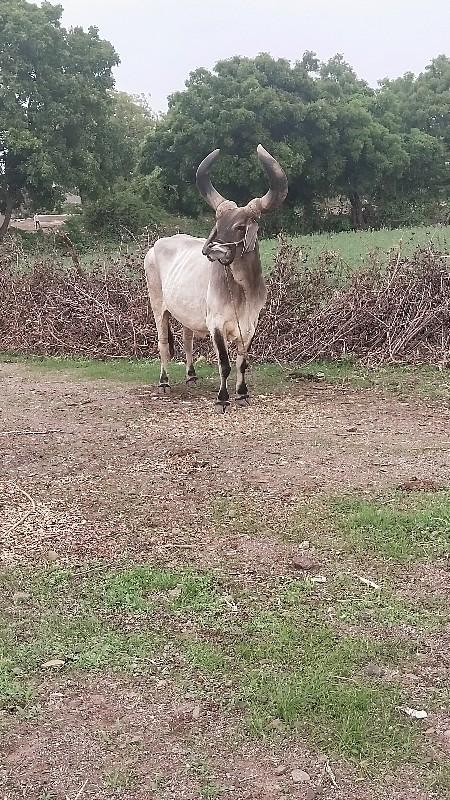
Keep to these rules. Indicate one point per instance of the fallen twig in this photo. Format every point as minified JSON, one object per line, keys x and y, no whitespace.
{"x":19,"y":521}
{"x":368,"y":582}
{"x":80,"y":791}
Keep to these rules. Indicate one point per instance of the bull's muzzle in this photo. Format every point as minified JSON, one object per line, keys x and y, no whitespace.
{"x":216,"y":251}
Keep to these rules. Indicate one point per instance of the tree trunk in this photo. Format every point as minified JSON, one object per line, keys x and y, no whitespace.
{"x":357,"y":216}
{"x":5,"y":224}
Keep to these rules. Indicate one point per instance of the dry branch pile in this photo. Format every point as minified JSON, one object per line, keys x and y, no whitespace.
{"x":400,"y":314}
{"x":56,"y":310}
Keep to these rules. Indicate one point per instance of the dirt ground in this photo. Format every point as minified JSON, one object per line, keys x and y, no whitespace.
{"x":98,"y":470}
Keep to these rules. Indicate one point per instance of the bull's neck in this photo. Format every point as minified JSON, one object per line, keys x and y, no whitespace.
{"x":246,"y":268}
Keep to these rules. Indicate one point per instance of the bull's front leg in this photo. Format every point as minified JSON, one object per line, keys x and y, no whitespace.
{"x":162,"y":325}
{"x":223,"y":398}
{"x":242,"y":398}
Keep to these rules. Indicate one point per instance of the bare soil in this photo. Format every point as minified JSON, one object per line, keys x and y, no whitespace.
{"x":95,"y":470}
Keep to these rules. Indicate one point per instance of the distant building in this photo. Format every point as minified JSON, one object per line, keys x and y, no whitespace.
{"x":73,"y":199}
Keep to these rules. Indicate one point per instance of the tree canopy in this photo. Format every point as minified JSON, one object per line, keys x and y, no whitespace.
{"x":333,"y":133}
{"x":63,"y":126}
{"x":55,"y":102}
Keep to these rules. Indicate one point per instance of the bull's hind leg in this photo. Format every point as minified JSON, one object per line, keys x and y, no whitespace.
{"x":223,"y":398}
{"x":188,"y":339}
{"x":165,"y":346}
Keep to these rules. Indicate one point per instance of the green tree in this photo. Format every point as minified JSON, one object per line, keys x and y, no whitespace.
{"x":243,"y":102}
{"x":54,"y":107}
{"x":131,"y":121}
{"x":416,"y":108}
{"x":313,"y":117}
{"x":338,"y":81}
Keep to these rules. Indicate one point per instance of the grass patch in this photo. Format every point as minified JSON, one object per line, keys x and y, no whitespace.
{"x":349,"y":601}
{"x":280,"y":655}
{"x":119,"y":779}
{"x":423,"y":381}
{"x":402,"y":526}
{"x":387,"y":611}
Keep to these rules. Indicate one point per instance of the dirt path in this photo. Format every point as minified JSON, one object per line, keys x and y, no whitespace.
{"x":100,"y":457}
{"x":99,"y":470}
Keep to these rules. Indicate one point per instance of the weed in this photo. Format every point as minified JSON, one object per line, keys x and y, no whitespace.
{"x":117,"y":779}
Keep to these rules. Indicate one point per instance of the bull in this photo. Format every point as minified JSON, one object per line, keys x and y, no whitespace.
{"x":214,"y":286}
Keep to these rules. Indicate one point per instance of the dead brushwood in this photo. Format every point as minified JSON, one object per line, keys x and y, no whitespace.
{"x":396,"y":314}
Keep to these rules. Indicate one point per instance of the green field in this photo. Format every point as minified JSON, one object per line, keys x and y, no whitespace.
{"x":355,"y":247}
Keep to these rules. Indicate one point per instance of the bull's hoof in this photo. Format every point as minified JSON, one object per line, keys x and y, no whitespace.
{"x":164,"y":389}
{"x":221,"y":406}
{"x":192,"y":379}
{"x":242,"y":400}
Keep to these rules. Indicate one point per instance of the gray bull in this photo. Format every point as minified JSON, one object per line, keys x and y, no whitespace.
{"x":214,"y":286}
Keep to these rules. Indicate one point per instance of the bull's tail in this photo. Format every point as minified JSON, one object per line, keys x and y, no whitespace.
{"x":171,"y":340}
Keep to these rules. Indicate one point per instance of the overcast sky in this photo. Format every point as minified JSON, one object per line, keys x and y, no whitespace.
{"x":161,"y":41}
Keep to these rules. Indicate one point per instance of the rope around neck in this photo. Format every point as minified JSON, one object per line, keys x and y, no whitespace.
{"x":244,"y":349}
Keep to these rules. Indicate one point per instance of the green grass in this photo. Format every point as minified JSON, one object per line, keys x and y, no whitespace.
{"x":402,"y":526}
{"x":399,"y":525}
{"x":385,"y":609}
{"x":278,"y":653}
{"x":425,"y":381}
{"x":354,"y":247}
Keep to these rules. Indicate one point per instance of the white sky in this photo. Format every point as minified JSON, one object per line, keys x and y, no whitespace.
{"x":161,"y":41}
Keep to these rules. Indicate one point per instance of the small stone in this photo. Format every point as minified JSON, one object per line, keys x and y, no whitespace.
{"x":281,"y":769}
{"x":21,"y":596}
{"x":300,"y":776}
{"x":374,"y":670}
{"x":446,"y":734}
{"x":174,"y":594}
{"x":277,"y":725}
{"x":52,"y":555}
{"x":304,"y":562}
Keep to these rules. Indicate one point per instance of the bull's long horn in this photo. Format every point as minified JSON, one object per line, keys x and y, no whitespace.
{"x":277,"y":179}
{"x":204,"y":184}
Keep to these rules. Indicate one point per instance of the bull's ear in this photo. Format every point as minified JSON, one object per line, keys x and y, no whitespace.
{"x":251,"y":233}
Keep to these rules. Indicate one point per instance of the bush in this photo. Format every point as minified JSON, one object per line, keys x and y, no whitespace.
{"x":82,"y":239}
{"x":403,"y":212}
{"x":120,"y":212}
